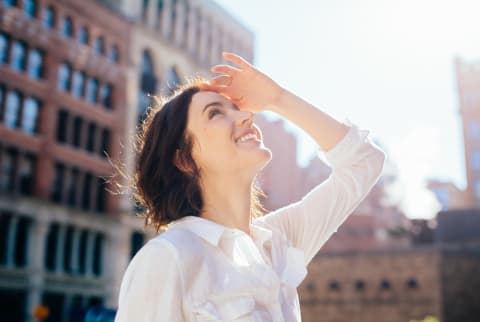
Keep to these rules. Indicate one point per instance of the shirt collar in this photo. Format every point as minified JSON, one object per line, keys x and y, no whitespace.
{"x":212,"y":232}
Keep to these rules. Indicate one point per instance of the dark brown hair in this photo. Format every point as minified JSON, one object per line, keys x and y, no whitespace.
{"x":165,"y":192}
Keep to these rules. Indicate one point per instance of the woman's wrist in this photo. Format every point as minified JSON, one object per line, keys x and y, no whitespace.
{"x":274,"y":103}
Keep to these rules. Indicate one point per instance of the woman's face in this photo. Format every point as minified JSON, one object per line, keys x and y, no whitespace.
{"x":218,"y":126}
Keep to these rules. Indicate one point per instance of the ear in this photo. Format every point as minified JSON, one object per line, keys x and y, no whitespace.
{"x":181,"y":164}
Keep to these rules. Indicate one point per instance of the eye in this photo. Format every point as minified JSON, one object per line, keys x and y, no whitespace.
{"x":212,"y":112}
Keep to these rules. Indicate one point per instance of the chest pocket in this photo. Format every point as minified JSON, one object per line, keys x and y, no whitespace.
{"x":237,"y":308}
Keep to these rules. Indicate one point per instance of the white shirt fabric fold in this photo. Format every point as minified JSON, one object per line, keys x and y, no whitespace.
{"x":200,"y":271}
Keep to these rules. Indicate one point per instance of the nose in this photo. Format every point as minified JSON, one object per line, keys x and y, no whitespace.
{"x":244,"y":116}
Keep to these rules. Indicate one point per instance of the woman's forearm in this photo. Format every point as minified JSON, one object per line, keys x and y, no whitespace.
{"x":322,"y":127}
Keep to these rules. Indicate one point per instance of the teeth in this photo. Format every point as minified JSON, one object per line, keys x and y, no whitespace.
{"x":247,"y":137}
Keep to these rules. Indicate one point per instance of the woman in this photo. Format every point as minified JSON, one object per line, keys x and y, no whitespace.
{"x":196,"y":170}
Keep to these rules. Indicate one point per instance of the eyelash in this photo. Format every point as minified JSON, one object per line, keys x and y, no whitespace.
{"x":211,"y":112}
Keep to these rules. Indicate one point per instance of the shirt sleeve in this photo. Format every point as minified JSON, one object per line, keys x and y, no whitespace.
{"x":357,"y":163}
{"x":151,"y":289}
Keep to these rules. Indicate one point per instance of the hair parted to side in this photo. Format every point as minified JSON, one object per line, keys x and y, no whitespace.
{"x":159,"y":187}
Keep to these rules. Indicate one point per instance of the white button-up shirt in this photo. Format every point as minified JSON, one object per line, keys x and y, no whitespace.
{"x":198,"y":270}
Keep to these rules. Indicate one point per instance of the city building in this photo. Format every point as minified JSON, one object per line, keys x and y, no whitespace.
{"x":468,"y":82}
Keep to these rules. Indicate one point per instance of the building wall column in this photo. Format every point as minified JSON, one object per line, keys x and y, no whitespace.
{"x":11,"y":240}
{"x":36,"y":256}
{"x":167,"y":19}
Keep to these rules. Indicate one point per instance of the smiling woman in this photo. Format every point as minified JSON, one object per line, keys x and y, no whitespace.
{"x":218,"y":258}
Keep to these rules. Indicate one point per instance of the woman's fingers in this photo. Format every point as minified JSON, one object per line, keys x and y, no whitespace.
{"x":225,"y":69}
{"x":221,"y":80}
{"x":236,"y":59}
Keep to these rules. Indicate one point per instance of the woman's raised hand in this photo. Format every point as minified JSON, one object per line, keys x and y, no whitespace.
{"x":243,"y":84}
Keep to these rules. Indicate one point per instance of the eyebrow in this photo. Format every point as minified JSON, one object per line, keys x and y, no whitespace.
{"x":235,"y":107}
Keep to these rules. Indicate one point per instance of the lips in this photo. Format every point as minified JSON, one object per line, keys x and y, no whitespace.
{"x":248,"y":131}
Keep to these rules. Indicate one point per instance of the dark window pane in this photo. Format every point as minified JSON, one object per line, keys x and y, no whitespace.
{"x":2,"y":100}
{"x":67,"y":27}
{"x":105,"y":142}
{"x":106,"y":95}
{"x":4,"y":40}
{"x":12,"y":109}
{"x":67,"y":251}
{"x":99,"y":45}
{"x":18,"y":56}
{"x":35,"y":64}
{"x":57,"y":184}
{"x":77,"y":131}
{"x":30,"y":115}
{"x":49,"y":17}
{"x":30,"y":8}
{"x":27,"y":174}
{"x":92,"y":129}
{"x":78,"y":83}
{"x":97,"y":255}
{"x":21,"y":243}
{"x":92,"y":90}
{"x":62,"y":121}
{"x":64,"y":77}
{"x":101,"y":195}
{"x":83,"y":35}
{"x":8,"y":170}
{"x":51,"y":247}
{"x":82,"y":251}
{"x":55,"y":303}
{"x":113,"y":54}
{"x":12,"y":304}
{"x":86,"y":191}
{"x":4,"y":225}
{"x":72,"y":188}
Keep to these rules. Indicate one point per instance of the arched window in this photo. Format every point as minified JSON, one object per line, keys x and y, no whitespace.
{"x":18,"y":57}
{"x":4,"y":40}
{"x":83,"y":35}
{"x":30,"y":8}
{"x":35,"y":64}
{"x":30,"y":115}
{"x":67,"y":27}
{"x":148,"y":84}
{"x":49,"y":17}
{"x":113,"y":54}
{"x":64,"y":76}
{"x":92,"y":90}
{"x":99,"y":45}
{"x":12,"y":109}
{"x":106,"y":92}
{"x":78,"y":83}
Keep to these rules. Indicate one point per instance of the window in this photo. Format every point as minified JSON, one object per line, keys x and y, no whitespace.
{"x":67,"y":251}
{"x":385,"y":284}
{"x":105,"y":142}
{"x":57,"y":184}
{"x":86,"y":191}
{"x":83,"y":35}
{"x":106,"y":95}
{"x":21,"y":242}
{"x":92,"y":90}
{"x":77,"y":131}
{"x":10,"y":3}
{"x":72,"y":188}
{"x":2,"y":98}
{"x":137,"y":239}
{"x":78,"y":83}
{"x":360,"y":285}
{"x":98,"y":255}
{"x":4,"y":39}
{"x":334,"y":285}
{"x":82,"y":252}
{"x":99,"y":46}
{"x":49,"y":17}
{"x":26,"y":172}
{"x":91,"y":137}
{"x":51,"y":247}
{"x":30,"y":115}
{"x":35,"y":64}
{"x":30,"y":8}
{"x":412,"y":283}
{"x":64,"y":75}
{"x":62,"y":122}
{"x":18,"y":56}
{"x":8,"y":170}
{"x":101,"y":195}
{"x":145,"y":8}
{"x":113,"y":54}
{"x":148,"y":84}
{"x":12,"y":109}
{"x":67,"y":27}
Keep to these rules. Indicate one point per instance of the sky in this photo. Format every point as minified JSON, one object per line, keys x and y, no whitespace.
{"x":386,"y":65}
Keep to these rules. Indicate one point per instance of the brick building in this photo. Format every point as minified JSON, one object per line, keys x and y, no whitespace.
{"x":62,"y":106}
